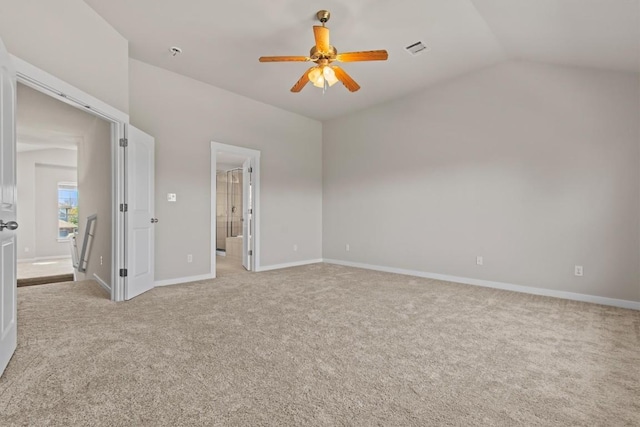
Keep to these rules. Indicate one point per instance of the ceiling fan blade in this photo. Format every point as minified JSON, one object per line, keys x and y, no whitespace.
{"x":345,"y":78}
{"x":322,"y":38}
{"x":302,"y":82}
{"x":284,"y":59}
{"x":371,"y":55}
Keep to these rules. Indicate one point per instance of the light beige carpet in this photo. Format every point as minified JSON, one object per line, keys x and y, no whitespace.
{"x":226,"y":266}
{"x":320,"y":345}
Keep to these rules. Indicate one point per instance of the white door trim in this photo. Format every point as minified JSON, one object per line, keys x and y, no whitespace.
{"x":255,"y":156}
{"x":48,"y":84}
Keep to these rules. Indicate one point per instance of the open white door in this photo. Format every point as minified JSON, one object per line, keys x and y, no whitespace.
{"x":140,"y":210}
{"x":8,"y":290}
{"x":247,"y":214}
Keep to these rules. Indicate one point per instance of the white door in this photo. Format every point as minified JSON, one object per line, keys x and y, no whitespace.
{"x":247,"y":215}
{"x":140,"y":212}
{"x":8,"y":290}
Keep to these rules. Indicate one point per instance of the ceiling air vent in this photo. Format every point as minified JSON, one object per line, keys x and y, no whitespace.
{"x":416,"y":48}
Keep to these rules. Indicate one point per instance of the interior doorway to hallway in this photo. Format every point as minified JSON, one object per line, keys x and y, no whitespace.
{"x":55,"y":89}
{"x":60,"y":155}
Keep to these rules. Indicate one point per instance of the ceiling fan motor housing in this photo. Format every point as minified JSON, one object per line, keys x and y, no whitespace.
{"x":315,"y":54}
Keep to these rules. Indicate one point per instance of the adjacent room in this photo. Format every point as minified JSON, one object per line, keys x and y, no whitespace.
{"x":407,"y":213}
{"x":231,"y":213}
{"x":61,"y":152}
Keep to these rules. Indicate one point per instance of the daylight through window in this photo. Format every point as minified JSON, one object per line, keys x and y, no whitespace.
{"x":67,"y":209}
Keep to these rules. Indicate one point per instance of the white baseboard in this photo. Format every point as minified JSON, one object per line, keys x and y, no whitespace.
{"x":178,"y":281}
{"x":288,"y":265}
{"x":221,"y":253}
{"x":633,"y":305}
{"x":102,"y":283}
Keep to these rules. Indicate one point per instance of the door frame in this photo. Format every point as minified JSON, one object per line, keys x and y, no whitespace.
{"x":48,"y":84}
{"x":254,"y":155}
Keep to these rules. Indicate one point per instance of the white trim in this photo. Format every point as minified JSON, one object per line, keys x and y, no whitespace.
{"x":289,"y":264}
{"x":221,"y":253}
{"x":48,"y":84}
{"x":633,"y":305}
{"x":38,"y":79}
{"x":178,"y":281}
{"x":102,"y":283}
{"x":248,"y":153}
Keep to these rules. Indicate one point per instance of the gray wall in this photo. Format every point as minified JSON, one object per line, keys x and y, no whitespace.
{"x":47,"y":179}
{"x":94,"y":196}
{"x":184,"y":116}
{"x":534,"y":167}
{"x":70,"y":40}
{"x":38,"y":175}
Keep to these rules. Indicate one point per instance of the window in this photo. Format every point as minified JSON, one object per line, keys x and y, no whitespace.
{"x":67,"y":209}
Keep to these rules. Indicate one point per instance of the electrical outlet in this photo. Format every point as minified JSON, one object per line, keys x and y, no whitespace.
{"x":171,"y":197}
{"x":578,"y":271}
{"x":347,"y":248}
{"x":100,"y":259}
{"x":479,"y":260}
{"x":295,"y":248}
{"x":189,"y":258}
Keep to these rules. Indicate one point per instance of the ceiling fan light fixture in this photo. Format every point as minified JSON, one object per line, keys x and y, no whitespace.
{"x":316,"y":77}
{"x":319,"y":75}
{"x":329,"y":75}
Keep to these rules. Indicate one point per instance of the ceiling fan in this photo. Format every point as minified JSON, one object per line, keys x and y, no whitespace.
{"x":323,"y":74}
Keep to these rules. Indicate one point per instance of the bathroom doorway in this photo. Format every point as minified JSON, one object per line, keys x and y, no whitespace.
{"x":234,"y":195}
{"x":229,"y":213}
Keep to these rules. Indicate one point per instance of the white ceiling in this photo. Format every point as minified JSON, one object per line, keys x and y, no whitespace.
{"x":222,"y":41}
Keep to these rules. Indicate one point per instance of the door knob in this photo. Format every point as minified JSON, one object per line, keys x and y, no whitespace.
{"x":11,"y":225}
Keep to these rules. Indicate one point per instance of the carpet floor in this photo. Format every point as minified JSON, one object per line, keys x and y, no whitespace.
{"x":319,"y":345}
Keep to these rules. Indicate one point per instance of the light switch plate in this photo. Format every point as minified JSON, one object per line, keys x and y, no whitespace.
{"x":171,"y":197}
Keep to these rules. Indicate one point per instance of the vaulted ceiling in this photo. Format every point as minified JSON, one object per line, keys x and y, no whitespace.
{"x":221,"y":41}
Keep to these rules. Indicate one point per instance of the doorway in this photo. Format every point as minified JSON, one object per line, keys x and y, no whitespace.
{"x":60,"y":155}
{"x":235,"y":225}
{"x":55,"y":89}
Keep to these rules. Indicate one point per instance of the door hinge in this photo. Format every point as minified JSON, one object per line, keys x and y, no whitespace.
{"x":123,"y":272}
{"x":250,"y":170}
{"x":250,"y":252}
{"x":124,"y":207}
{"x":124,"y":142}
{"x":250,"y":211}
